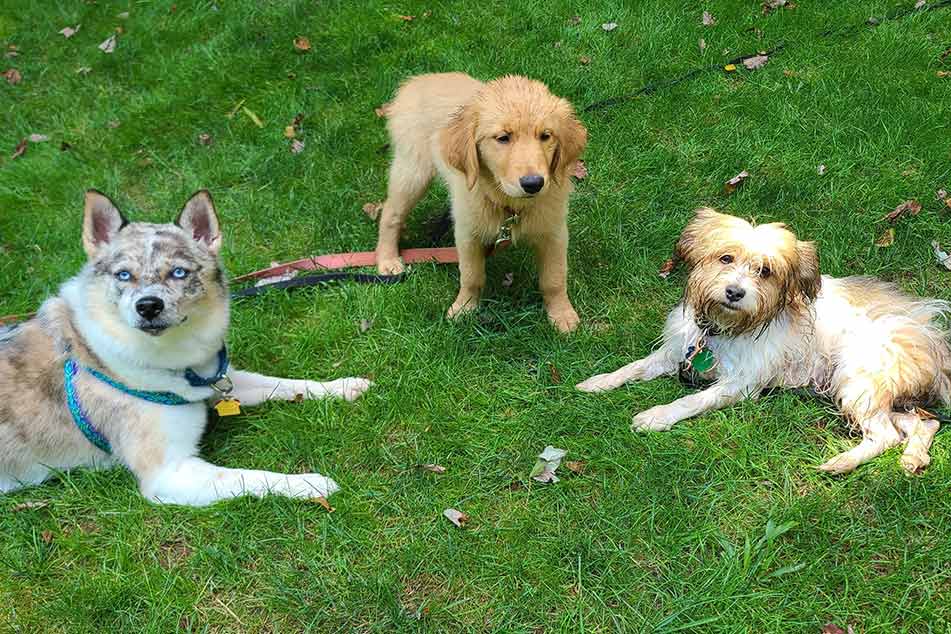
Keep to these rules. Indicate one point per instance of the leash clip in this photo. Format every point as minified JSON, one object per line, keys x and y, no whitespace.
{"x":505,"y":231}
{"x":224,"y":386}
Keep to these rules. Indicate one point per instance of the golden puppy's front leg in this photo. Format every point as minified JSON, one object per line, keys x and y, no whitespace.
{"x":471,"y":275}
{"x":551,"y":254}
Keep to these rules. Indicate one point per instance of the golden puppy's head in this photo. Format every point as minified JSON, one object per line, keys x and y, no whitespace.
{"x":742,"y":276}
{"x":517,"y":135}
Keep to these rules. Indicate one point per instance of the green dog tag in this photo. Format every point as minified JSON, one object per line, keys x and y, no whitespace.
{"x":703,"y":360}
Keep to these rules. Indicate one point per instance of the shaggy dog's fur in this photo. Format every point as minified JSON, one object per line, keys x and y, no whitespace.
{"x":150,"y":303}
{"x":505,"y":149}
{"x":755,"y":299}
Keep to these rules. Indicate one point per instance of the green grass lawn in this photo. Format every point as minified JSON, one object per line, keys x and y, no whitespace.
{"x":660,"y":533}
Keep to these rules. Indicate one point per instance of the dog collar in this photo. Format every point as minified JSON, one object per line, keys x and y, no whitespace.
{"x":219,"y":382}
{"x":504,"y":238}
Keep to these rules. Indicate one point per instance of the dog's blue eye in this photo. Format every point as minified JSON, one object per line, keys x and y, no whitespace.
{"x":179,"y":273}
{"x":502,"y":138}
{"x":123,"y":276}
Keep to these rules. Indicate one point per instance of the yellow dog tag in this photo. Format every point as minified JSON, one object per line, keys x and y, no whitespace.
{"x":228,"y":407}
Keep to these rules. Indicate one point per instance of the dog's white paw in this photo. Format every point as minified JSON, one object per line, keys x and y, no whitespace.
{"x":598,"y":383}
{"x":843,"y":463}
{"x":653,"y":419}
{"x":310,"y":485}
{"x":915,"y":463}
{"x":349,"y":388}
{"x":390,"y":266}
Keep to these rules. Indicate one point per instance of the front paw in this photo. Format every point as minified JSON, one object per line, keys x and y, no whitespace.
{"x":310,"y":485}
{"x":914,"y":464}
{"x":390,"y":266}
{"x":565,"y":320}
{"x":841,"y":464}
{"x":462,"y":308}
{"x":349,"y":388}
{"x":653,"y":419}
{"x":598,"y":383}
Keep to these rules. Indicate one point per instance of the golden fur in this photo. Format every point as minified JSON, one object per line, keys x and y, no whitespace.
{"x":485,"y":140}
{"x":754,"y":297}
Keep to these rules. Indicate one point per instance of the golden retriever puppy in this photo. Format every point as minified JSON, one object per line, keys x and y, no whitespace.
{"x":757,"y":314}
{"x":505,"y":149}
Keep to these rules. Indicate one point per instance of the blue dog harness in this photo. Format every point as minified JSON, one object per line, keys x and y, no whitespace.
{"x":219,"y":382}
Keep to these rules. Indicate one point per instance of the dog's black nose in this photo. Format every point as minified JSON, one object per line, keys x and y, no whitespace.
{"x":149,"y":307}
{"x":734,"y":293}
{"x":532,"y":184}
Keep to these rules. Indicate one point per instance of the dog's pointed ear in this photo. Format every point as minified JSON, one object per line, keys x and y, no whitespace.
{"x":102,"y":220}
{"x":808,"y":277}
{"x":691,"y":247}
{"x":572,"y":138}
{"x":459,"y":144}
{"x":199,"y":219}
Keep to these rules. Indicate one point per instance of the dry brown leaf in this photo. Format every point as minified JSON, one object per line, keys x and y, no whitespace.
{"x":47,"y":537}
{"x":554,"y":373}
{"x":19,"y":150}
{"x":69,"y":32}
{"x":585,"y":60}
{"x":943,"y":73}
{"x":406,"y":18}
{"x":832,"y":628}
{"x":734,"y":183}
{"x":755,"y":62}
{"x":707,"y":19}
{"x":912,"y":207}
{"x":887,"y":239}
{"x":324,"y":503}
{"x":702,"y":43}
{"x":108,"y":45}
{"x":941,"y":194}
{"x":580,"y":170}
{"x":432,"y":468}
{"x":576,"y":466}
{"x":205,"y":139}
{"x":290,"y":132}
{"x":301,"y":43}
{"x":456,"y":517}
{"x":12,"y":76}
{"x":12,"y":51}
{"x":365,"y":325}
{"x":297,"y":146}
{"x":30,"y":506}
{"x":372,"y":210}
{"x":38,"y":138}
{"x":666,"y":268}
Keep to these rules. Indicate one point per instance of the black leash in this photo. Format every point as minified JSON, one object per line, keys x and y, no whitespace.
{"x":317,"y":280}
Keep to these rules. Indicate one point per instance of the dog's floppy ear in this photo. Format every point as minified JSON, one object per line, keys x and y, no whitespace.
{"x":807,"y":276}
{"x":459,"y":144}
{"x":693,"y":245}
{"x":572,"y":138}
{"x":199,"y":219}
{"x":102,"y":220}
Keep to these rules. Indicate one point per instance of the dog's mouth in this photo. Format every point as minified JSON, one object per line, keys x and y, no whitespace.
{"x":156,"y":328}
{"x":731,"y":307}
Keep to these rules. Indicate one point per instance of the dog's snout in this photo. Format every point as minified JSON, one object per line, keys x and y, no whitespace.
{"x":149,"y":307}
{"x":734,"y":293}
{"x":532,"y":184}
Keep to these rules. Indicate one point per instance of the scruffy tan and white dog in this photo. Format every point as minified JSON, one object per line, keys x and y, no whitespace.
{"x":505,"y":149}
{"x":756,"y":314}
{"x":120,"y":366}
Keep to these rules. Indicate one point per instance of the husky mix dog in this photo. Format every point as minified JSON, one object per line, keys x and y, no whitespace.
{"x":757,"y":314}
{"x":121,"y":365}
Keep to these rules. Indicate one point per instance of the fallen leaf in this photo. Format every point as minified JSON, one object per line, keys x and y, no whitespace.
{"x":365,"y":325}
{"x":832,"y":628}
{"x":547,"y":463}
{"x":790,"y":73}
{"x":609,"y":26}
{"x":666,"y":268}
{"x":373,"y":210}
{"x":920,"y":4}
{"x":324,"y":503}
{"x":821,"y":169}
{"x":19,"y":150}
{"x":255,"y":118}
{"x":708,"y":19}
{"x":507,"y":279}
{"x":730,"y":68}
{"x":887,"y":239}
{"x":771,"y":5}
{"x":12,"y":76}
{"x":30,"y":506}
{"x":576,"y":466}
{"x":69,"y":32}
{"x":290,"y":132}
{"x":585,"y":60}
{"x":38,"y":138}
{"x":120,"y":30}
{"x":301,"y":43}
{"x":205,"y":139}
{"x":83,"y":70}
{"x":575,"y":20}
{"x":406,"y":18}
{"x":908,"y":207}
{"x":47,"y":537}
{"x":943,"y":73}
{"x":580,"y":170}
{"x":297,"y":146}
{"x":456,"y":517}
{"x":554,"y":373}
{"x":114,"y":124}
{"x":731,"y":185}
{"x":432,"y":468}
{"x":702,"y":43}
{"x":108,"y":45}
{"x":942,"y":257}
{"x":941,"y":194}
{"x":755,"y":62}
{"x":12,"y":51}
